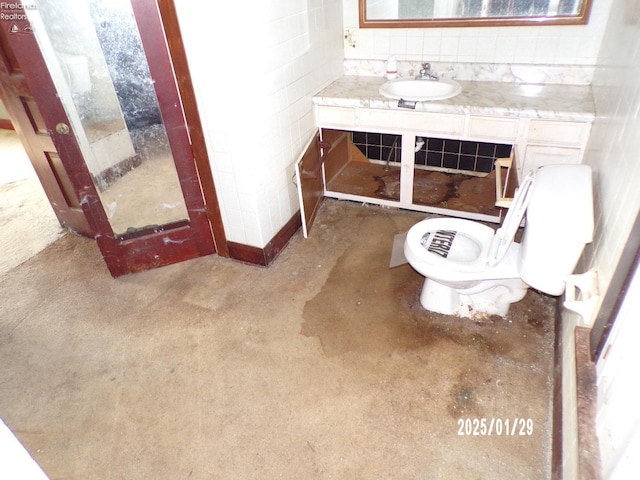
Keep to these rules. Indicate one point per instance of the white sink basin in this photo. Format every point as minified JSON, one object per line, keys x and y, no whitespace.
{"x":412,"y":90}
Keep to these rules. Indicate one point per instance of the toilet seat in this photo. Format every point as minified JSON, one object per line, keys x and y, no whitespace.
{"x":512,"y":220}
{"x":454,"y":243}
{"x":456,"y":247}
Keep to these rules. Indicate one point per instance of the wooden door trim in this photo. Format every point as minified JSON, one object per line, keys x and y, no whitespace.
{"x":265,"y":256}
{"x":178,"y":54}
{"x":154,"y":41}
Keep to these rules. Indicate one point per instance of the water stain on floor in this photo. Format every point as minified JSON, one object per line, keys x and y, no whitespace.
{"x":370,"y":316}
{"x":366,"y":307}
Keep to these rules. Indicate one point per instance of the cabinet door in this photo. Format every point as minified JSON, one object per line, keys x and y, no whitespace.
{"x":322,"y":156}
{"x":309,"y":180}
{"x":336,"y":155}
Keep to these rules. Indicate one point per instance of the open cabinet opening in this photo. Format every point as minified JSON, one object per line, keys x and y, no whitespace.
{"x":458,"y":178}
{"x":448,"y":174}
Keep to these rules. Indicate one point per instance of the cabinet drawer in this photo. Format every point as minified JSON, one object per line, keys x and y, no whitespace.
{"x":558,"y":133}
{"x":426,"y":123}
{"x":335,"y":116}
{"x":505,"y":129}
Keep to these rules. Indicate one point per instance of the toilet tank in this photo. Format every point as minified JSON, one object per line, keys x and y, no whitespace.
{"x":559,"y":224}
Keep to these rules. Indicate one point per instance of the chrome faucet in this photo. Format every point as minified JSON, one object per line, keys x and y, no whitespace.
{"x":425,"y":73}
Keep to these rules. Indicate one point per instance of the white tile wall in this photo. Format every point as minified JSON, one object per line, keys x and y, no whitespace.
{"x":552,"y":45}
{"x":255,"y":65}
{"x":614,"y":154}
{"x":618,"y":418}
{"x":614,"y":147}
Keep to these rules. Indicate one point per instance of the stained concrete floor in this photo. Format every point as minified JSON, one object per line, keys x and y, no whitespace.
{"x":27,"y":221}
{"x":321,"y":366}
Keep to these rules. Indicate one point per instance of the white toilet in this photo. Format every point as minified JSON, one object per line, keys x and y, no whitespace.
{"x":471,"y":269}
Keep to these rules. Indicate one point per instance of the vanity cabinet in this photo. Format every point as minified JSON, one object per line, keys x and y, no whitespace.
{"x":538,"y":141}
{"x":333,"y":166}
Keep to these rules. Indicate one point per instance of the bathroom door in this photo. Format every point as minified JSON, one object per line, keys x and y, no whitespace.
{"x":32,"y":131}
{"x":101,"y":74}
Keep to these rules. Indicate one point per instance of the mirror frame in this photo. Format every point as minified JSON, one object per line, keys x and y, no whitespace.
{"x":581,"y":18}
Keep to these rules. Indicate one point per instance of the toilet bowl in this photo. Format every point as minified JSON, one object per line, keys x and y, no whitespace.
{"x":454,"y":256}
{"x":472,"y":270}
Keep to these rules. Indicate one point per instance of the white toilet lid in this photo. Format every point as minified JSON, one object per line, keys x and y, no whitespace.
{"x":454,"y":243}
{"x":504,"y":235}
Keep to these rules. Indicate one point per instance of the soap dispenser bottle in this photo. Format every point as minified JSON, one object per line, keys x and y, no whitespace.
{"x":392,"y":69}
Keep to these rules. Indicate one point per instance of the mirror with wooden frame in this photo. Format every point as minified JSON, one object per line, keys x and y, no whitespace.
{"x":471,"y":13}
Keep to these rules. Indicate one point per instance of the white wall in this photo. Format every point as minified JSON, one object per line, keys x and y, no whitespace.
{"x":255,"y":66}
{"x":614,"y":146}
{"x":614,"y":154}
{"x":553,"y":45}
{"x":618,"y":418}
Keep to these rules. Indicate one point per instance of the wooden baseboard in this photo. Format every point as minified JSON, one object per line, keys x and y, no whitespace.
{"x":264,"y":256}
{"x":589,"y":463}
{"x":557,"y":416}
{"x":6,"y":124}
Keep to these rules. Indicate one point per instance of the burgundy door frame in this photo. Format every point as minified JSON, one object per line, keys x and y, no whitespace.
{"x":190,"y":105}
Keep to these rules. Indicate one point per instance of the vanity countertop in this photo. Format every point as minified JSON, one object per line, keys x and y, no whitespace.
{"x":551,"y":102}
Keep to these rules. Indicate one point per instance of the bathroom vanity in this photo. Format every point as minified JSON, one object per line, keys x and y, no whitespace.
{"x":537,"y":124}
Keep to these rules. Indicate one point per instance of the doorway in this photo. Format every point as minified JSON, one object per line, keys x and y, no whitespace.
{"x":101,"y":75}
{"x":27,"y":222}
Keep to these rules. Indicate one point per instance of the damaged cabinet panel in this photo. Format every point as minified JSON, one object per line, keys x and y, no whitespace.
{"x":309,"y":182}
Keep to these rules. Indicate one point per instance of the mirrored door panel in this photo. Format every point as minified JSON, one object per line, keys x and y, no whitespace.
{"x":95,"y":56}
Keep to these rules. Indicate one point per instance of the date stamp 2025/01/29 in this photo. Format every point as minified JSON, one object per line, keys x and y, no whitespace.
{"x":484,"y":427}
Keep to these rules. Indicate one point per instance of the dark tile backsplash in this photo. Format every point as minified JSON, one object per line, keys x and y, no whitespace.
{"x":378,"y":146}
{"x":436,"y":152}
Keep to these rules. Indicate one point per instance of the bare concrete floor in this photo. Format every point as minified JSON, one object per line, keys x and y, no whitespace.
{"x":322,"y":366}
{"x":27,"y":221}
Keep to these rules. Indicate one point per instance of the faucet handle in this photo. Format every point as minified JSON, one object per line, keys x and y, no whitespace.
{"x":426,"y":65}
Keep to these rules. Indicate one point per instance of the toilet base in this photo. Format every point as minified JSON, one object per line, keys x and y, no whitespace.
{"x":486,"y":298}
